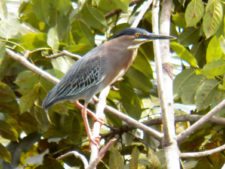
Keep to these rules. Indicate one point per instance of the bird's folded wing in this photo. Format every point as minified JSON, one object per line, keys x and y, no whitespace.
{"x":83,"y":75}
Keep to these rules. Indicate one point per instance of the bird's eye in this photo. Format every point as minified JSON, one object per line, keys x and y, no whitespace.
{"x":137,"y":35}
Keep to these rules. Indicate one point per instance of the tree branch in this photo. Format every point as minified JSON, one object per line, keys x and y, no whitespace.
{"x":135,"y":123}
{"x":200,"y":122}
{"x":185,"y":118}
{"x":31,"y":66}
{"x":64,"y":52}
{"x":145,"y":6}
{"x":102,"y":152}
{"x":202,"y":153}
{"x":97,"y":126}
{"x":165,"y":83}
{"x":110,"y":109}
{"x":158,"y":121}
{"x":76,"y":154}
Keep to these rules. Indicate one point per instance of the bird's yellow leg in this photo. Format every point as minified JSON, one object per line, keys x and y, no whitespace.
{"x":87,"y":127}
{"x":81,"y":107}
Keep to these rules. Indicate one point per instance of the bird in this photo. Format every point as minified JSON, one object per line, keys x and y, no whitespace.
{"x":99,"y":68}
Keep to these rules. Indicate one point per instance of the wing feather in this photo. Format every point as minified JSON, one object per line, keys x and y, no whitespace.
{"x":82,"y":77}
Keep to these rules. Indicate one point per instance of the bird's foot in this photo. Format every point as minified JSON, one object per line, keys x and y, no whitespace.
{"x":95,"y":140}
{"x":100,"y":120}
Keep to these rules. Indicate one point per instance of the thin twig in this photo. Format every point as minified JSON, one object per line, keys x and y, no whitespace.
{"x":145,"y":6}
{"x":62,"y":53}
{"x":102,"y":152}
{"x":202,"y":153}
{"x":76,"y":154}
{"x":54,"y":80}
{"x":200,"y":122}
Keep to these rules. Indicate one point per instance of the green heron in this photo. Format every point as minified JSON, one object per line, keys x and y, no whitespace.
{"x":99,"y":68}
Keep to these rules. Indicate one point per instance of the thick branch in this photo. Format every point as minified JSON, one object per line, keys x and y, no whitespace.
{"x":112,"y":110}
{"x":132,"y":122}
{"x":31,"y":66}
{"x":165,"y":83}
{"x":97,"y":126}
{"x":186,"y":118}
{"x":200,"y":122}
{"x":202,"y":153}
{"x":158,"y":121}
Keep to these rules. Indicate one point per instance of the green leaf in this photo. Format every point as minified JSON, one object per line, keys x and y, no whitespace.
{"x":185,"y":86}
{"x":214,"y":68}
{"x":116,"y":161}
{"x":3,"y":9}
{"x":205,"y":94}
{"x":63,"y":6}
{"x":134,"y":159}
{"x":122,"y":4}
{"x":139,"y":80}
{"x":28,"y":123}
{"x":10,"y":28}
{"x":182,"y":2}
{"x":2,"y":50}
{"x":222,"y":86}
{"x":63,"y":63}
{"x":27,"y":100}
{"x":63,"y":27}
{"x":212,"y":18}
{"x":178,"y":19}
{"x":33,"y":40}
{"x":5,"y":154}
{"x":130,"y":100}
{"x":42,"y":9}
{"x":8,"y":103}
{"x":189,"y":36}
{"x":28,"y":15}
{"x":222,"y":43}
{"x":50,"y":162}
{"x":26,"y":80}
{"x":142,"y":64}
{"x":96,"y":2}
{"x":214,"y":51}
{"x":93,"y":17}
{"x":114,"y":4}
{"x":194,"y":12}
{"x":83,"y":36}
{"x":7,"y":131}
{"x":198,"y":50}
{"x":32,"y":87}
{"x":53,"y":39}
{"x":184,"y":54}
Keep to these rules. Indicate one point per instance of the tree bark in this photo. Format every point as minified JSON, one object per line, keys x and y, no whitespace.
{"x":165,"y":82}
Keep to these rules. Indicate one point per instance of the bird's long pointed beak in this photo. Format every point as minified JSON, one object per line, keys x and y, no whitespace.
{"x":151,"y":36}
{"x":155,"y":36}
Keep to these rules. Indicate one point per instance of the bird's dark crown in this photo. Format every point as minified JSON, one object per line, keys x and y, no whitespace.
{"x":131,"y":31}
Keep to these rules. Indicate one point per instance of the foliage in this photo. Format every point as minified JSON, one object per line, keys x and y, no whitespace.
{"x":45,"y":27}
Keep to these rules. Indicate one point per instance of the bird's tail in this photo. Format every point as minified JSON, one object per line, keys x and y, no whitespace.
{"x":48,"y":101}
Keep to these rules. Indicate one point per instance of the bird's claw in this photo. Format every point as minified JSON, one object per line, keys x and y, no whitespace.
{"x":95,"y":140}
{"x":100,"y":120}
